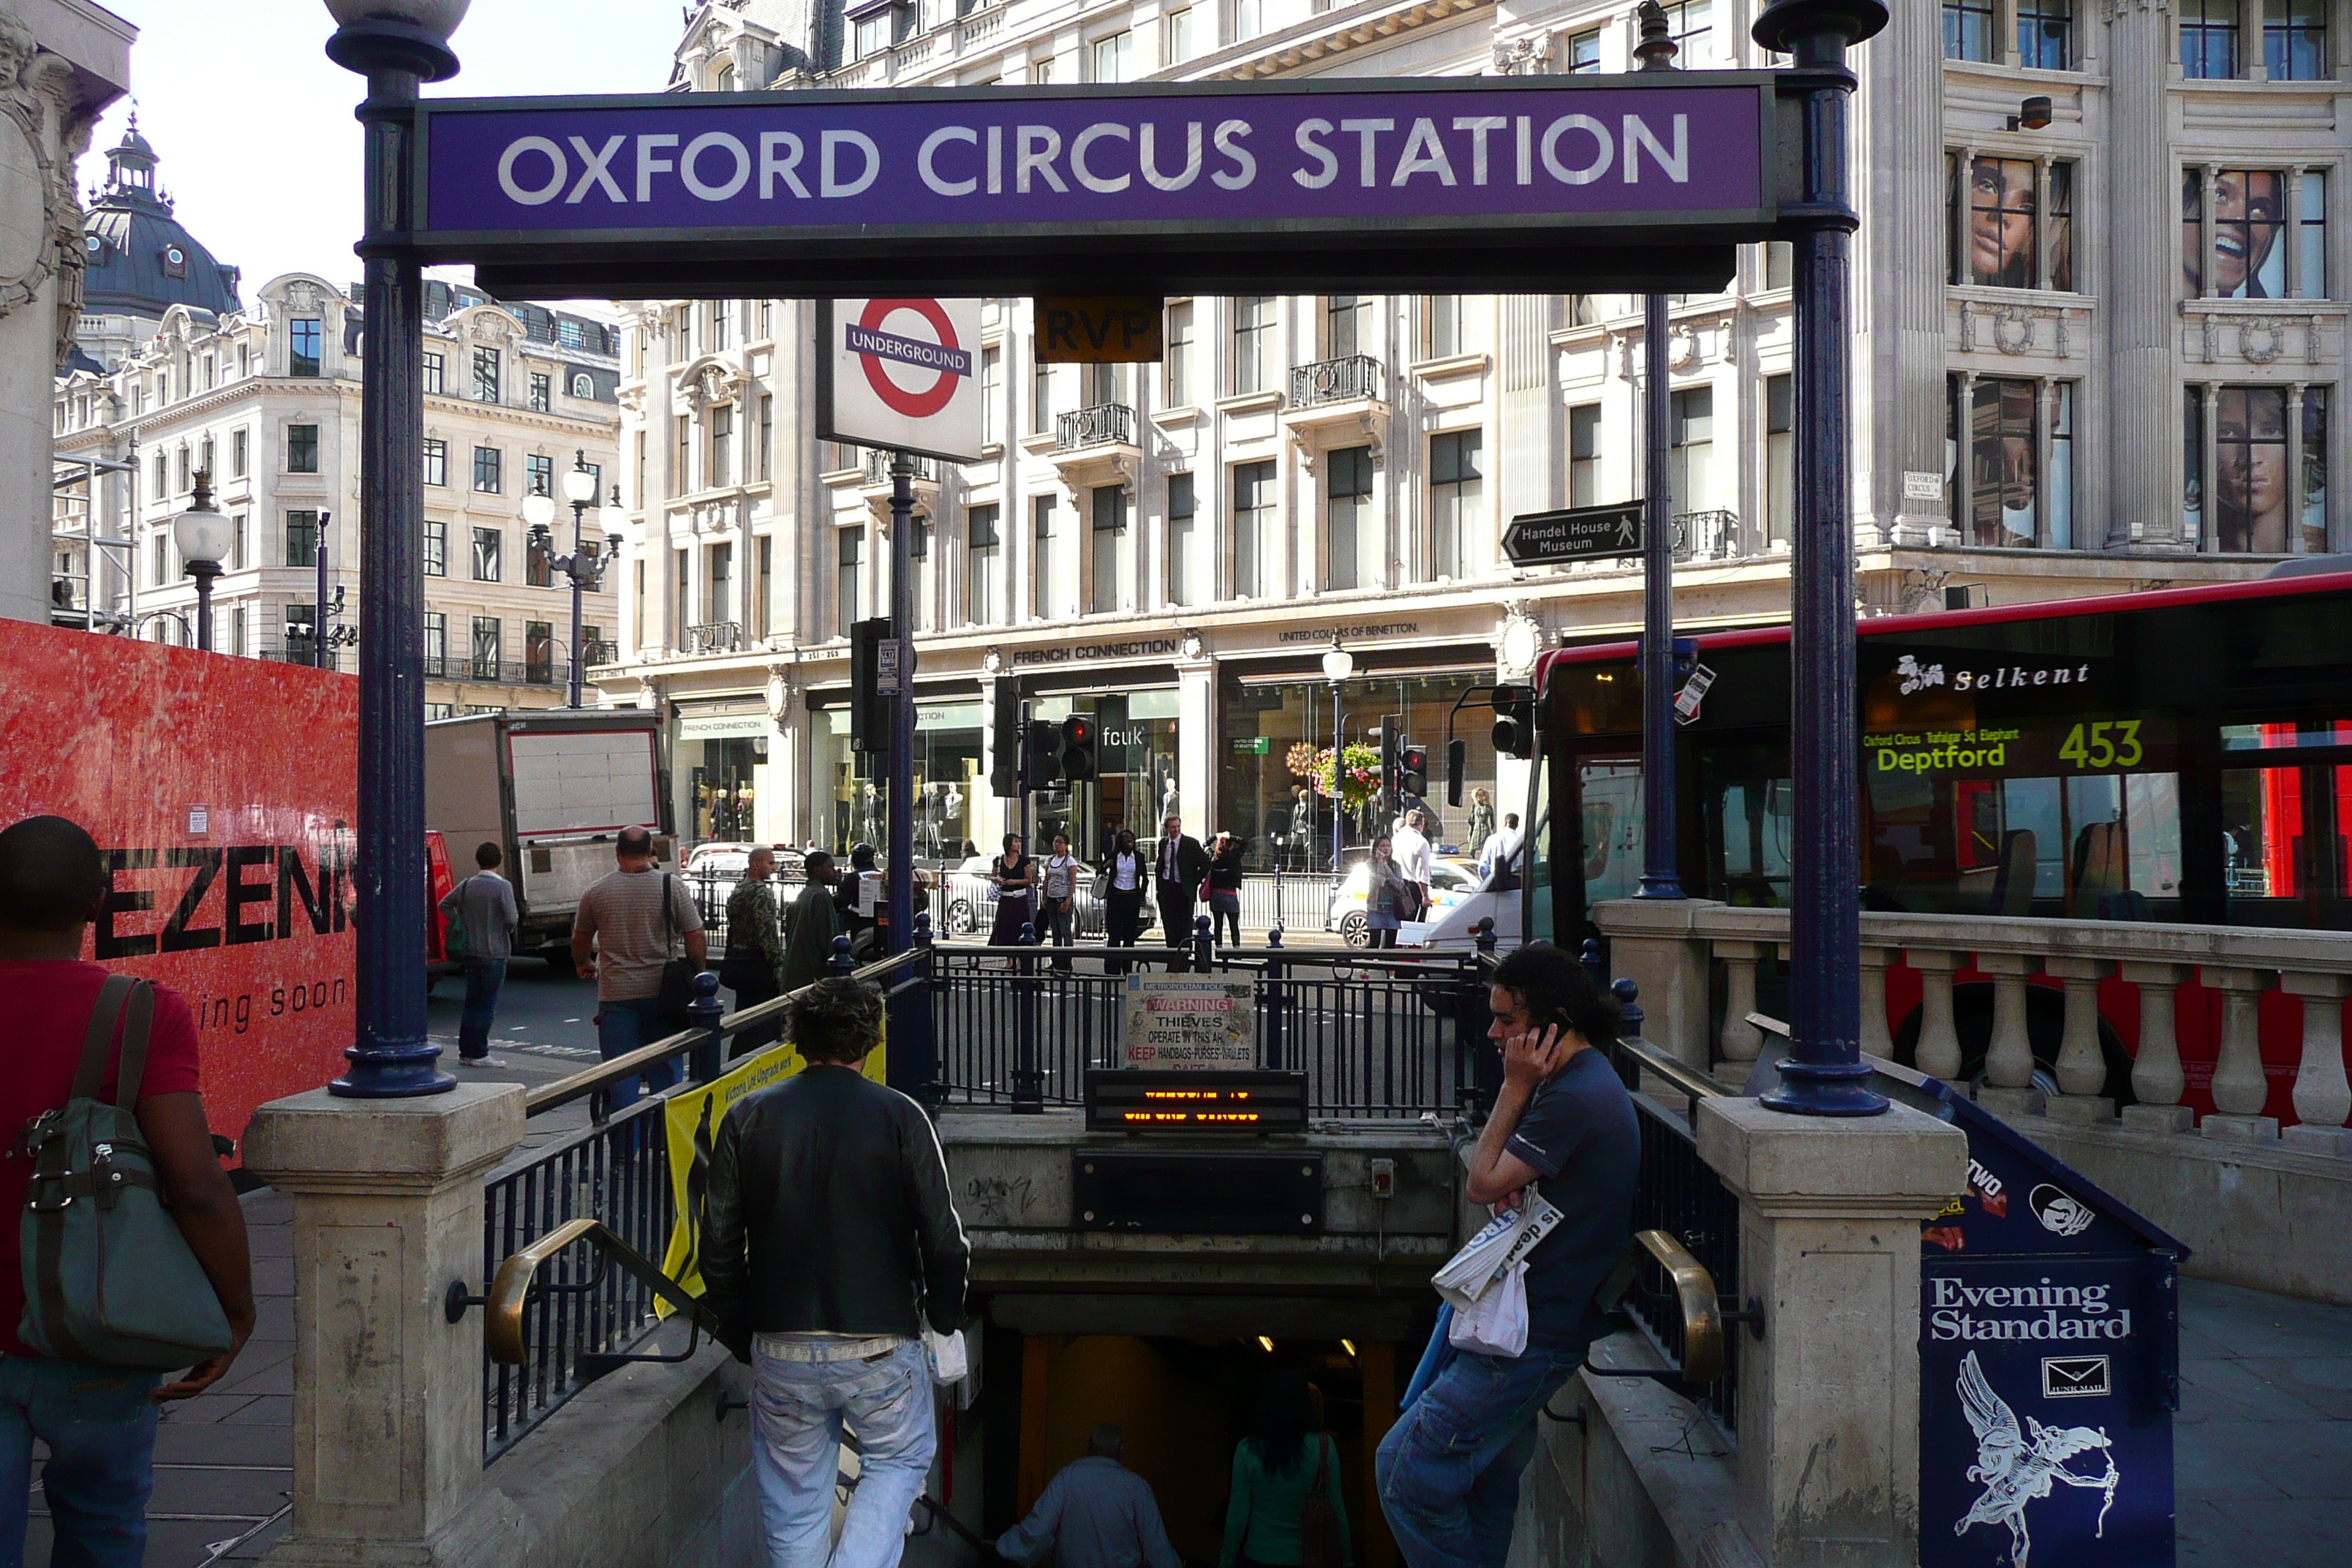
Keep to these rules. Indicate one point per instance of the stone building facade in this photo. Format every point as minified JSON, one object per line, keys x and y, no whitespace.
{"x":267,"y":400}
{"x":2094,"y":350}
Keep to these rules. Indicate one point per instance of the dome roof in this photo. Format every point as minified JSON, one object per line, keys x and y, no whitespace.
{"x":140,"y":260}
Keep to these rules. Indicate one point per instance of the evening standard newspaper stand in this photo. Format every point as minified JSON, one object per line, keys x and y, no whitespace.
{"x":2049,"y":1360}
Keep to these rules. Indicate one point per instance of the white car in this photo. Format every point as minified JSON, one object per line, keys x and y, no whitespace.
{"x":1450,"y":882}
{"x":967,"y":909}
{"x":712,"y":870}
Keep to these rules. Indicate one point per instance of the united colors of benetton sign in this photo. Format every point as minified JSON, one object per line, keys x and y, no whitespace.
{"x":1620,"y":159}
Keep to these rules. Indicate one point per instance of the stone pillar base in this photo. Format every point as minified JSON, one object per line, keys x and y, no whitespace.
{"x":2309,"y":1140}
{"x":2095,"y":1109}
{"x":2011,"y":1102}
{"x":2159,"y":1118}
{"x":2240,"y":1129}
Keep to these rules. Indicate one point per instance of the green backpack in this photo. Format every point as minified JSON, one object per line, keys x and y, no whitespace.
{"x":108,"y":1276}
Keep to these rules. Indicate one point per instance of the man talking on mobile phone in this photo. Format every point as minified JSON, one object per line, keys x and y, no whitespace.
{"x":1449,"y":1469}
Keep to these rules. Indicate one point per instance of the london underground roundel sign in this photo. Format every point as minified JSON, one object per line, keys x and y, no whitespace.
{"x":901,"y":374}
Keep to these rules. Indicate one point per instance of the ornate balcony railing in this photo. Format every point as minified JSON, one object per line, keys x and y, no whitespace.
{"x":1099,"y":425}
{"x":715,"y":637}
{"x":1344,"y":379}
{"x":1707,"y":536}
{"x":878,"y":468}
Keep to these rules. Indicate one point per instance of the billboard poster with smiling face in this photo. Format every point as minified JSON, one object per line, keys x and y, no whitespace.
{"x":902,"y":374}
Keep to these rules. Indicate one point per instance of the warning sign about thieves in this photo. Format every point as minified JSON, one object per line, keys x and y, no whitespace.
{"x":900,"y":375}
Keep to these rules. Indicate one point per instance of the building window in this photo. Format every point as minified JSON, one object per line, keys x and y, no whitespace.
{"x":236,"y":454}
{"x":1780,"y":457}
{"x":2009,"y":499}
{"x":722,"y":445}
{"x":1042,"y":598}
{"x":2251,"y":209}
{"x":767,"y":319}
{"x":1454,"y":489}
{"x":1256,"y":564}
{"x":2294,"y":41}
{"x":1582,"y":53}
{"x":1348,"y":497}
{"x":1348,"y":328}
{"x":186,"y":482}
{"x":682,"y":476}
{"x":1113,"y":544}
{"x":1449,"y":326}
{"x":486,"y":374}
{"x":767,"y":434}
{"x":437,"y":642}
{"x":2209,"y":39}
{"x":537,"y":571}
{"x":301,"y":450}
{"x":486,"y":555}
{"x":542,"y":392}
{"x":1179,"y":36}
{"x":1996,"y":215}
{"x":1114,"y":58}
{"x":1253,"y":343}
{"x":1181,"y":538}
{"x":984,"y":568}
{"x":302,"y":634}
{"x":487,"y":650}
{"x":1584,"y":455}
{"x":1690,"y":449}
{"x":2045,"y":34}
{"x":302,"y":346}
{"x":539,"y":651}
{"x":992,"y":396}
{"x":244,"y":360}
{"x":680,"y":561}
{"x":237,"y":551}
{"x":851,"y":543}
{"x":2261,"y":503}
{"x":718,"y":582}
{"x":204,"y":458}
{"x":1179,"y":354}
{"x":301,"y":538}
{"x":163,"y":473}
{"x":1969,"y":30}
{"x":1691,"y":24}
{"x":436,"y":461}
{"x":538,"y":474}
{"x":433,"y":375}
{"x":489,"y":475}
{"x":722,"y":317}
{"x":1041,"y":398}
{"x":763,"y":583}
{"x":583,"y":384}
{"x":437,"y":548}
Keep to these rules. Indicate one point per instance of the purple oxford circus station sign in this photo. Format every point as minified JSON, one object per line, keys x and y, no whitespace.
{"x":1586,"y":171}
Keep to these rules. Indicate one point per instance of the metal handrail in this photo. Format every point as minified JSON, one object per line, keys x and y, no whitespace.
{"x":565,"y":1090}
{"x":511,"y":1292}
{"x":1701,"y":1312}
{"x":1685,"y":1077}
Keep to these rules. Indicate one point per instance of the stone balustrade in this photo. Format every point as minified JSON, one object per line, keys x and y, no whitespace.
{"x":1674,"y":949}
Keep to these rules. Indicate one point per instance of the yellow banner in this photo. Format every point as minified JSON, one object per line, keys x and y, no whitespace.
{"x":692,"y":1120}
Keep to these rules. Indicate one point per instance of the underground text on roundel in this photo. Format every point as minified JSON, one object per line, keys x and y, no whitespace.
{"x":1686,"y":153}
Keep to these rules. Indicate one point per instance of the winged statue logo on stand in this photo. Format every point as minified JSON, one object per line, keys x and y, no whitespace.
{"x":2018,"y":1466}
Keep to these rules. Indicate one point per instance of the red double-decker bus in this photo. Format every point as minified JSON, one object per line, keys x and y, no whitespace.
{"x":2181,"y":756}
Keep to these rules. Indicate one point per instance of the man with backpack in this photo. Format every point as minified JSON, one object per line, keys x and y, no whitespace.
{"x":623,"y":936}
{"x":95,"y":1411}
{"x":482,"y":911}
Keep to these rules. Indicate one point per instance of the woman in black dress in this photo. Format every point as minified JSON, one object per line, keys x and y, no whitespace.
{"x":1016,"y":875}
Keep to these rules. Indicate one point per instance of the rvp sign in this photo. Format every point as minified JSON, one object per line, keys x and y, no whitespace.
{"x":1072,"y":330}
{"x":902,"y":374}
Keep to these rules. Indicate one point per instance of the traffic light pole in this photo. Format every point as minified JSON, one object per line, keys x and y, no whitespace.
{"x":912,"y":1060}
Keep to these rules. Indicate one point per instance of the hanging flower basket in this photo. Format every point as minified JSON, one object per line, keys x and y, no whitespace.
{"x":1360,"y":772}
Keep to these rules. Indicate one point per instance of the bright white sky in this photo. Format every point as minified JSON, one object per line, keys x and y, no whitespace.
{"x":252,"y":122}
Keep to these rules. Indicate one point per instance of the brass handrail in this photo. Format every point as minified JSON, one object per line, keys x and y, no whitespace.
{"x":511,"y":1292}
{"x":1702,"y":1358}
{"x":1685,"y":1078}
{"x":587,"y":1082}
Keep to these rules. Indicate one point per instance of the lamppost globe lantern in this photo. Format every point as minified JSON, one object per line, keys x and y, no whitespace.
{"x":202,"y":534}
{"x":1781,"y":21}
{"x":1338,"y":663}
{"x":538,"y":510}
{"x":578,"y":486}
{"x":612,"y":518}
{"x":404,"y":35}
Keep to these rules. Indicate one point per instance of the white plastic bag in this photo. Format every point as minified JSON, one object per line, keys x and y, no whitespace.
{"x":1496,"y":1324}
{"x":1507,"y":1239}
{"x":950,"y":1363}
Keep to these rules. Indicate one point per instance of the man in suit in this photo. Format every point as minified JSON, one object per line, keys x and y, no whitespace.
{"x":1178,"y":865}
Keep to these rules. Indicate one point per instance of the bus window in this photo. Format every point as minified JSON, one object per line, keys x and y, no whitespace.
{"x":2085,"y":845}
{"x":2285,"y":845}
{"x":1752,"y":837}
{"x":1536,"y":859}
{"x":1610,"y":800}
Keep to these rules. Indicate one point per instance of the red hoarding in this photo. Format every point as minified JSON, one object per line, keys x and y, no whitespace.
{"x":224,"y":792}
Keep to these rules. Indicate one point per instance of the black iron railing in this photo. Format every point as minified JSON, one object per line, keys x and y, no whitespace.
{"x":714,"y":636}
{"x":1098,"y":424}
{"x":878,"y":468}
{"x":1344,"y":379}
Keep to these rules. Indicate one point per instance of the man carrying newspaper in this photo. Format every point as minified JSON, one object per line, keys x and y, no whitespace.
{"x":1559,"y":1158}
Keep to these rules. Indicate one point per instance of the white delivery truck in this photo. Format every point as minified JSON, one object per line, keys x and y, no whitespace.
{"x":552,"y":789}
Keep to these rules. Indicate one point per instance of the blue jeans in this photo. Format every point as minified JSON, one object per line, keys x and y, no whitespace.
{"x":484,"y":979}
{"x":798,"y":1412}
{"x":99,"y":1426}
{"x":1449,"y":1469}
{"x":621,"y":1027}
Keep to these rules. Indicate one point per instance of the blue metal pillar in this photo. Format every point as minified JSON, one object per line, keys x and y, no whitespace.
{"x":1823,"y":1074}
{"x":391,"y":1057}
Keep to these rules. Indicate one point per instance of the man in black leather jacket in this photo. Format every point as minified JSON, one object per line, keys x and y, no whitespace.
{"x":828,"y":1240}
